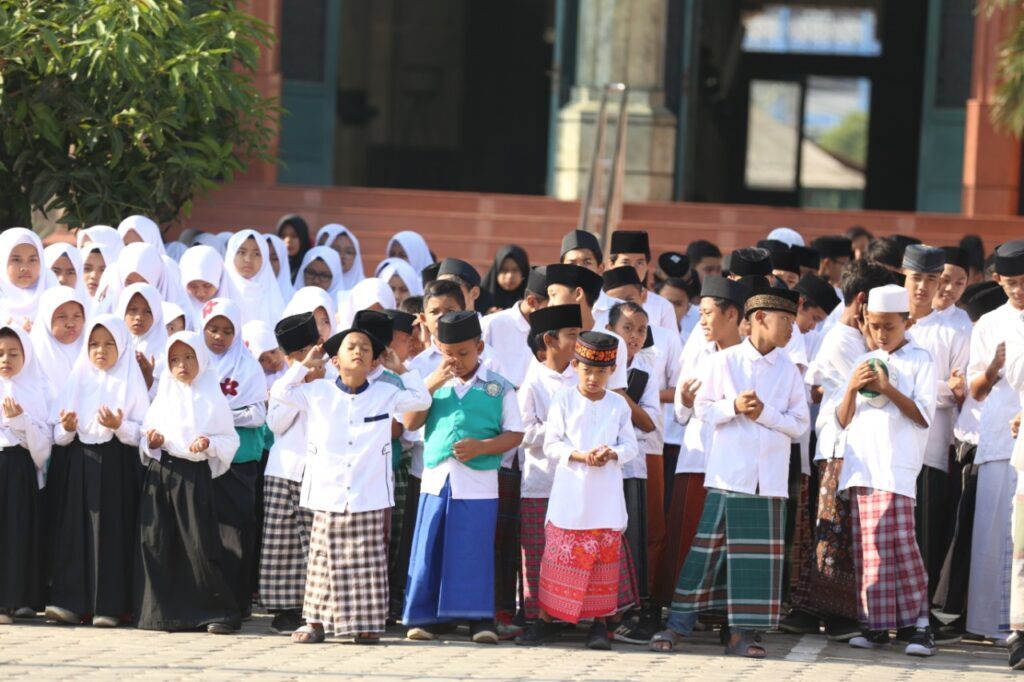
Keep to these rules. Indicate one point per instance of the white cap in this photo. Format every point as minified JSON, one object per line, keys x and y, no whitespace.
{"x":786,"y":235}
{"x":888,"y":299}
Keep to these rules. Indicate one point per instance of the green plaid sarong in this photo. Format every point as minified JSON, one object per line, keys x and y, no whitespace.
{"x":736,"y":561}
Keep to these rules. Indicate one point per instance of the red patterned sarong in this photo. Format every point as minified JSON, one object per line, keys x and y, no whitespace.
{"x":579,"y":573}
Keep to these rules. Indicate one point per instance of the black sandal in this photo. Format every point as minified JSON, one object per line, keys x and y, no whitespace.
{"x":669,"y":637}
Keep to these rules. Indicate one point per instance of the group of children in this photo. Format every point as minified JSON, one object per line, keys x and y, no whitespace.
{"x":794,"y":436}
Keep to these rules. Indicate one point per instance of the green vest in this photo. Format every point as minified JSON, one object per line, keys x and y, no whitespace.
{"x":250,"y":446}
{"x":476,"y":415}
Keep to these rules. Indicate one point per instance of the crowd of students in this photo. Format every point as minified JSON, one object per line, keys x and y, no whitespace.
{"x":813,"y":437}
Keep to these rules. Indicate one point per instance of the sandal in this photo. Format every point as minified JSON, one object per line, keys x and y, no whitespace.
{"x":665,"y":641}
{"x":748,"y":645}
{"x":367,"y":638}
{"x":308,"y":634}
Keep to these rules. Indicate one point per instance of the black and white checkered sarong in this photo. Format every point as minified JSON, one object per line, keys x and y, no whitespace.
{"x":286,"y":531}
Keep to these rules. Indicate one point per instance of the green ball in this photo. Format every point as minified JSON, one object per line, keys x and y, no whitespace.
{"x":876,"y":365}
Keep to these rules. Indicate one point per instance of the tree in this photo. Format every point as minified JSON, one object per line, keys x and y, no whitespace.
{"x":1008,"y":111}
{"x":126,"y":106}
{"x":849,"y":139}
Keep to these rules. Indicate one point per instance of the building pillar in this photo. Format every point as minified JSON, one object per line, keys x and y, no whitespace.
{"x":992,"y":156}
{"x":267,"y":80}
{"x":619,"y":42}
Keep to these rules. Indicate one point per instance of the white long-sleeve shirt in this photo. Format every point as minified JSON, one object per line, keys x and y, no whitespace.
{"x":128,"y":433}
{"x":30,"y":433}
{"x":697,"y":435}
{"x":749,"y":456}
{"x":505,"y":331}
{"x":348,"y":466}
{"x":534,"y":396}
{"x":665,"y":360}
{"x":585,"y":497}
{"x":648,"y":442}
{"x":287,"y":458}
{"x":831,"y":369}
{"x":1002,"y":403}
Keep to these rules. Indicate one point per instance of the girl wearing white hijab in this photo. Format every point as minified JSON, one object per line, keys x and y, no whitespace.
{"x":188,"y":441}
{"x":410,"y":246}
{"x":175,"y":319}
{"x":137,"y":263}
{"x":243,"y":384}
{"x":250,"y":279}
{"x":100,"y":234}
{"x":25,"y":440}
{"x":278,"y":252}
{"x":202,"y":274}
{"x":65,"y":262}
{"x":175,"y":251}
{"x":317,"y":264}
{"x":98,"y":417}
{"x":403,"y":280}
{"x":139,"y":228}
{"x":141,"y":308}
{"x":370,"y":294}
{"x":211,"y":240}
{"x":23,"y":277}
{"x":95,"y":259}
{"x":318,"y":302}
{"x":57,"y":335}
{"x":261,"y":342}
{"x":344,"y":243}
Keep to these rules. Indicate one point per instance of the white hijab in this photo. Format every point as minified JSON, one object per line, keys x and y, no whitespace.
{"x":258,"y":337}
{"x":53,"y":252}
{"x":119,"y":388}
{"x":308,"y":299}
{"x":55,"y":358}
{"x":202,"y":263}
{"x":284,"y":276}
{"x":147,"y":230}
{"x":371,"y":290}
{"x":145,"y":261}
{"x":150,"y":344}
{"x":333,"y":262}
{"x":26,"y":387}
{"x":101,"y":234}
{"x":22,"y":304}
{"x":415,"y":247}
{"x":175,"y":251}
{"x":172,"y":311}
{"x":211,"y":240}
{"x":326,"y":235}
{"x":239,"y":374}
{"x":109,"y":256}
{"x":258,"y":298}
{"x":183,"y":412}
{"x":390,"y":267}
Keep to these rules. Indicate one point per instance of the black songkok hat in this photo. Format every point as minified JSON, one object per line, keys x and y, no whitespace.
{"x":958,"y":257}
{"x":401,"y":321}
{"x":924,"y":259}
{"x":429,"y":273}
{"x":808,"y":257}
{"x":376,"y":322}
{"x":717,"y":286}
{"x":772,"y":246}
{"x":786,"y":261}
{"x":620,"y":277}
{"x":459,"y":326}
{"x":630,"y":241}
{"x":673,"y":264}
{"x":750,"y":260}
{"x":833,"y":246}
{"x":981,"y":298}
{"x":597,"y":348}
{"x":574,"y":276}
{"x":296,"y":332}
{"x":333,"y":344}
{"x":555,"y":317}
{"x":701,"y":249}
{"x":537,"y":281}
{"x":1010,"y":258}
{"x":772,"y":298}
{"x":581,"y":239}
{"x":818,"y":291}
{"x":461,"y":269}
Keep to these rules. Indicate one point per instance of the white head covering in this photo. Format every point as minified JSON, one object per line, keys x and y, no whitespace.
{"x":183,"y":412}
{"x":328,"y":233}
{"x":175,"y":251}
{"x":258,"y":337}
{"x":172,"y":311}
{"x":330,"y":258}
{"x":119,"y":388}
{"x":211,"y":240}
{"x":890,"y":298}
{"x":109,"y":256}
{"x":26,"y":387}
{"x":53,"y":252}
{"x":371,"y":290}
{"x":389,"y":267}
{"x":415,"y":247}
{"x":308,"y":299}
{"x":147,"y":230}
{"x":55,"y":358}
{"x":205,"y":264}
{"x":145,"y":261}
{"x":22,"y":304}
{"x":787,"y":236}
{"x":101,"y":234}
{"x":151,"y":343}
{"x":224,"y":237}
{"x":240,"y":374}
{"x":284,"y":276}
{"x":258,"y":298}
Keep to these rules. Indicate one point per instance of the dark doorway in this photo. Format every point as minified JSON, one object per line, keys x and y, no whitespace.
{"x":444,"y":94}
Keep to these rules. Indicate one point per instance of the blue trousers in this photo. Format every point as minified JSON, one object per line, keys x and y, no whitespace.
{"x":451,"y":569}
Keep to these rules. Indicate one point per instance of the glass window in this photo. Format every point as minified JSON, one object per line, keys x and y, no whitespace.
{"x":773,"y":134}
{"x":834,"y":152}
{"x":806,"y":29}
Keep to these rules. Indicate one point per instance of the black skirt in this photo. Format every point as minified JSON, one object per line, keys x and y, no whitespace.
{"x":52,"y":497}
{"x":179,"y":578}
{"x":20,"y":531}
{"x":97,"y":531}
{"x":235,"y":498}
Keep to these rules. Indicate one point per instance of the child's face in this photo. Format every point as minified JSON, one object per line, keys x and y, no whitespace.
{"x":715,"y":323}
{"x":400,"y":344}
{"x":323,"y":323}
{"x":921,"y":287}
{"x":291,"y":239}
{"x":182,"y":362}
{"x":317,"y":274}
{"x":130,"y":237}
{"x":416,"y":340}
{"x":65,"y":272}
{"x":355,"y":354}
{"x":560,"y":348}
{"x":12,"y":356}
{"x":585,"y":258}
{"x":275,"y":262}
{"x":67,"y":322}
{"x":248,"y":259}
{"x":219,"y":334}
{"x":23,"y":266}
{"x":399,"y":289}
{"x":434,"y":308}
{"x":888,"y":330}
{"x":952,"y":283}
{"x":791,"y":279}
{"x":346,"y":251}
{"x":708,"y":266}
{"x":468,"y":293}
{"x":272,"y":361}
{"x":808,"y":316}
{"x":176,"y":325}
{"x":466,"y":355}
{"x":397,"y":251}
{"x":138,"y":315}
{"x":134,"y":278}
{"x":560,"y":294}
{"x":638,"y":261}
{"x":592,"y":378}
{"x":773,"y":326}
{"x":629,"y":292}
{"x":1014,"y":288}
{"x":833,"y":268}
{"x":102,"y":349}
{"x":679,"y":299}
{"x":632,"y":327}
{"x":93,"y":270}
{"x":509,"y":276}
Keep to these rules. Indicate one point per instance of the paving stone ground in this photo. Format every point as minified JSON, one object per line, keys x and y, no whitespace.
{"x":40,"y":651}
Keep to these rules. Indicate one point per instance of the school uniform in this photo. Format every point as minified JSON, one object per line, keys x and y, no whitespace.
{"x":660,"y":311}
{"x":505,"y":331}
{"x":580,"y":568}
{"x":883,"y":455}
{"x":1015,"y":377}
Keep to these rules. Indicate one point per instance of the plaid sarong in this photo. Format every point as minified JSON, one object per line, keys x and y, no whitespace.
{"x":892,"y":585}
{"x":286,"y":530}
{"x":347,"y":581}
{"x":736,"y":561}
{"x":532,"y":512}
{"x":579,"y":573}
{"x":684,"y":514}
{"x":506,"y":540}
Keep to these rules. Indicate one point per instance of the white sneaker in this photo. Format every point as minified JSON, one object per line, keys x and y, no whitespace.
{"x":62,"y":615}
{"x":6,"y":618}
{"x":105,"y":622}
